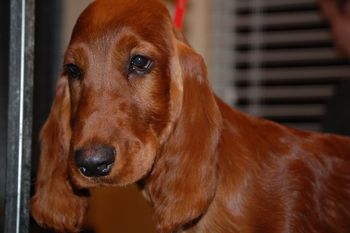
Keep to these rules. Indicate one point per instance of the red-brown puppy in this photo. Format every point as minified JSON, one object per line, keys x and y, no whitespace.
{"x":133,"y":104}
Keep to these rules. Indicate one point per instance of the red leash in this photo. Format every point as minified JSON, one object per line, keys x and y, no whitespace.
{"x":180,"y":13}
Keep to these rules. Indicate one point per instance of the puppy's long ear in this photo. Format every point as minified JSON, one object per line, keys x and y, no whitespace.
{"x":183,"y":181}
{"x":55,"y":205}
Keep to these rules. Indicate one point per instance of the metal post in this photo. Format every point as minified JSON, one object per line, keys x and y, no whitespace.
{"x":4,"y":29}
{"x":19,"y":116}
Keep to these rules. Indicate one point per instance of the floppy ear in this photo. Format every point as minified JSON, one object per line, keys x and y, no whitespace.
{"x":55,"y":204}
{"x":183,"y":181}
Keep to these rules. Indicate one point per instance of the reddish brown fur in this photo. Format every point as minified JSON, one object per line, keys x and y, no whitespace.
{"x":206,"y":167}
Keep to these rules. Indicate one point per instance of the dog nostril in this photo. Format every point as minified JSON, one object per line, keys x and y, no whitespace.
{"x":95,"y":161}
{"x":83,"y":170}
{"x":104,"y":168}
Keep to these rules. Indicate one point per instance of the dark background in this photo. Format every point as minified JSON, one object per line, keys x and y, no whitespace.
{"x":4,"y":40}
{"x":46,"y":51}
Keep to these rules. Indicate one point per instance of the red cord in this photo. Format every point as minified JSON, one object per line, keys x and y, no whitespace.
{"x":180,"y":13}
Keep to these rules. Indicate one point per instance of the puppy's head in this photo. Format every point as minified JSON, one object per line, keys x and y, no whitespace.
{"x":131,"y":103}
{"x":122,"y":80}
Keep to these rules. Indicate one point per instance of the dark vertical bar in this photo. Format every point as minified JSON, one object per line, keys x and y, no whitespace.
{"x":48,"y":62}
{"x":19,"y":116}
{"x":4,"y":38}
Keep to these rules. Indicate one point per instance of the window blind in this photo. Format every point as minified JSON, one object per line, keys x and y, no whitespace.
{"x":285,"y":64}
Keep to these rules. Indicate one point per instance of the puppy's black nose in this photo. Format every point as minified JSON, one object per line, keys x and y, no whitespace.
{"x":95,"y":161}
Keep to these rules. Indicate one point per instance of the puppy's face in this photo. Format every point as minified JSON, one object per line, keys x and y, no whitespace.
{"x":124,"y":90}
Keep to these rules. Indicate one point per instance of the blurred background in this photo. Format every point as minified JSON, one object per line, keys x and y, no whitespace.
{"x":285,"y":60}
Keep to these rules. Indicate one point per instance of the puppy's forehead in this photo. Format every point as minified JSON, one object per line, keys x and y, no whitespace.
{"x":148,"y":18}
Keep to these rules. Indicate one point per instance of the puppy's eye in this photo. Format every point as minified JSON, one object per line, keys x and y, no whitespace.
{"x":73,"y":71}
{"x":140,"y":65}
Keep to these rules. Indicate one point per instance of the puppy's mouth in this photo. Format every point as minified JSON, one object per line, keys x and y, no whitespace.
{"x":80,"y":180}
{"x":83,"y":178}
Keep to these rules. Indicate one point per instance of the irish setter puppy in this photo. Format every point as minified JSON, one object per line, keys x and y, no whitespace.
{"x":133,"y":104}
